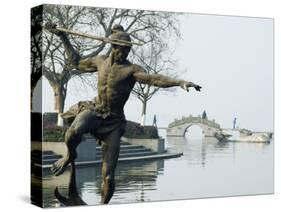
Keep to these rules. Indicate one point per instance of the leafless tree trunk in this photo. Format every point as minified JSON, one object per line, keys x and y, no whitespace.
{"x":60,"y":94}
{"x":59,"y":87}
{"x":143,"y":112}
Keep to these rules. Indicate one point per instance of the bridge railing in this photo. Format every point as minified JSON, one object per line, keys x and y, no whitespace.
{"x":194,"y":120}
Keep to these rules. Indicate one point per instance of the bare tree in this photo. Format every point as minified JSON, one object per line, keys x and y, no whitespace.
{"x":141,"y":25}
{"x":57,"y":69}
{"x":36,"y":48}
{"x":155,"y":58}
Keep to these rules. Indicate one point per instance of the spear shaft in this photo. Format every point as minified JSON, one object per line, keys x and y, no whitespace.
{"x":103,"y":39}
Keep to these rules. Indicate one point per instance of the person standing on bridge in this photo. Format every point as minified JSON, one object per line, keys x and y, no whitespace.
{"x":234,"y":123}
{"x":154,"y":121}
{"x":204,"y":115}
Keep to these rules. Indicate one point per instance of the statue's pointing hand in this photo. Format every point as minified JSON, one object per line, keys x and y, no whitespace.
{"x":186,"y":85}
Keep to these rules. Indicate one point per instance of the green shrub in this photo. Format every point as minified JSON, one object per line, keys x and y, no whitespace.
{"x":135,"y":130}
{"x":55,"y":134}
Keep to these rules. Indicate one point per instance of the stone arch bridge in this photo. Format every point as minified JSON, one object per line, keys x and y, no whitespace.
{"x":179,"y":127}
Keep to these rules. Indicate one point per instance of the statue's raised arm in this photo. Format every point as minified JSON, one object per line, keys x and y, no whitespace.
{"x":85,"y":65}
{"x":162,"y":81}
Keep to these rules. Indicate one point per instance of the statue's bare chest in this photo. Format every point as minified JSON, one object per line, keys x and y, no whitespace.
{"x":115,"y":76}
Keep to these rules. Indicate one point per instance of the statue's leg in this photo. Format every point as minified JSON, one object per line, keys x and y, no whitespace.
{"x":83,"y":123}
{"x":110,"y":153}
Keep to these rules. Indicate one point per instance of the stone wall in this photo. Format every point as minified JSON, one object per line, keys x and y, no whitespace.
{"x":86,"y":150}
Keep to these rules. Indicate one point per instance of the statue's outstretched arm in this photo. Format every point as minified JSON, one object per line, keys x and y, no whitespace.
{"x":162,"y":81}
{"x":158,"y":80}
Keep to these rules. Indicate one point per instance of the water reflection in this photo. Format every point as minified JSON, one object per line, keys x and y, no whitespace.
{"x":197,"y":151}
{"x":207,"y":168}
{"x":131,"y":178}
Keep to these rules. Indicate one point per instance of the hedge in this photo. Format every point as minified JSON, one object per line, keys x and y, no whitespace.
{"x":53,"y":133}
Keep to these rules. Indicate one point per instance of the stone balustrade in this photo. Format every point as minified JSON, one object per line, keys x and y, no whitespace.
{"x":195,"y":120}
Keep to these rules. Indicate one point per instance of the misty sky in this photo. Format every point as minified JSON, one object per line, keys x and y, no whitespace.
{"x":230,"y":57}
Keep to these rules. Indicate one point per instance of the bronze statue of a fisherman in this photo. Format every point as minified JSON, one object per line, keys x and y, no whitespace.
{"x":104,"y":117}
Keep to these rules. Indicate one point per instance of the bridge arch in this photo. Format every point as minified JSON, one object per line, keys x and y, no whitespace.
{"x":193,"y":130}
{"x":179,"y":127}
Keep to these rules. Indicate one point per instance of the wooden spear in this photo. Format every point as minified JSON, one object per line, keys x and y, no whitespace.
{"x":103,"y":39}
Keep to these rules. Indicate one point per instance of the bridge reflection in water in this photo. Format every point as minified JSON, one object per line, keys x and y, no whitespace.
{"x":201,"y":149}
{"x":208,"y":168}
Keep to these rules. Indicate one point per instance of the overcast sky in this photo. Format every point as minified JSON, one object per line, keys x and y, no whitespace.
{"x":230,"y":57}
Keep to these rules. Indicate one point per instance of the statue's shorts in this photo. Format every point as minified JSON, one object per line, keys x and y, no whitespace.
{"x":84,"y":118}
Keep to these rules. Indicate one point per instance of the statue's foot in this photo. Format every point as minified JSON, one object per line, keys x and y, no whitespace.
{"x":59,"y":166}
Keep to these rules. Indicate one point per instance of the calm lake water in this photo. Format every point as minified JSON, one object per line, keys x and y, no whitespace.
{"x":207,"y":168}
